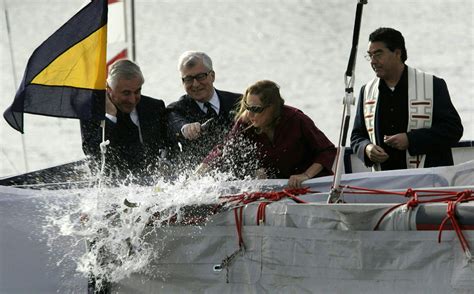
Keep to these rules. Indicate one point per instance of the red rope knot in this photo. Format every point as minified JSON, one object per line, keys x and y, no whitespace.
{"x":464,"y":195}
{"x":274,"y":196}
{"x":451,"y":209}
{"x":413,"y":202}
{"x":451,"y":216}
{"x":245,"y":197}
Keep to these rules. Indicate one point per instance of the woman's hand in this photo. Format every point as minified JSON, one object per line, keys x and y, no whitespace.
{"x":295,"y":181}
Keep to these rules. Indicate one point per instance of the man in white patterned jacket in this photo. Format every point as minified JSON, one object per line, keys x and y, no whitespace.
{"x":405,"y":117}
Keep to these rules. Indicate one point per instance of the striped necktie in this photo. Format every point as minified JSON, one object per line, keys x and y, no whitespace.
{"x":210,"y":111}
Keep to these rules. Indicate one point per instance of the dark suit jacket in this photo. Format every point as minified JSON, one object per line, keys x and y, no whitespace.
{"x":133,"y":157}
{"x":446,"y":129}
{"x":186,"y":110}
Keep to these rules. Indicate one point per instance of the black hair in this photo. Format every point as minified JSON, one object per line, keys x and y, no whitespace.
{"x":392,"y":39}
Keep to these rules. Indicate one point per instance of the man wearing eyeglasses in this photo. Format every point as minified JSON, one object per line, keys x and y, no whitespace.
{"x":202,"y":117}
{"x":405,"y":118}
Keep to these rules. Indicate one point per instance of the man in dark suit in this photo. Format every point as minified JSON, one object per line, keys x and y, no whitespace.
{"x":201,"y":118}
{"x":135,"y":125}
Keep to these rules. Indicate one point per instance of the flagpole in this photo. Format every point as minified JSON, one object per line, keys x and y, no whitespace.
{"x":22,"y":136}
{"x":129,"y":16}
{"x":132,"y":27}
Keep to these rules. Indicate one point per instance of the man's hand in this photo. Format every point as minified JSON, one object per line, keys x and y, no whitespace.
{"x":376,"y":153}
{"x":110,"y":107}
{"x":191,"y":131}
{"x":398,"y":141}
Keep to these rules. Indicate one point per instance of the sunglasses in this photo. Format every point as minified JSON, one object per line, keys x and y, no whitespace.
{"x":254,"y":109}
{"x":199,"y":77}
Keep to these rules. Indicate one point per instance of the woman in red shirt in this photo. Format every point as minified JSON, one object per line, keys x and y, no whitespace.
{"x":273,"y":140}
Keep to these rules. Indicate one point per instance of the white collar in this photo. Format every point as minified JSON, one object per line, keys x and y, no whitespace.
{"x":134,"y":116}
{"x":216,"y":104}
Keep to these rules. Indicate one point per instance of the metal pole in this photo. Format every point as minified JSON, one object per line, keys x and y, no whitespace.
{"x":23,"y":144}
{"x":132,"y":27}
{"x":349,"y":100}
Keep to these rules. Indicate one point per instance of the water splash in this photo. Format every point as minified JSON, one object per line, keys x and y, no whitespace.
{"x":109,"y":226}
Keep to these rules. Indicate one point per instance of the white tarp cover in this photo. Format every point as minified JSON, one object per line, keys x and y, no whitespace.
{"x":315,"y":248}
{"x":299,"y":260}
{"x":27,"y":263}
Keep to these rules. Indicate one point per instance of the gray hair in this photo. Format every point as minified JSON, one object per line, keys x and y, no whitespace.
{"x":190,"y":58}
{"x":123,"y":69}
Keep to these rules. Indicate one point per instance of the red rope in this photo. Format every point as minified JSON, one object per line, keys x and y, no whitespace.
{"x":238,"y":214}
{"x":261,"y":212}
{"x":246,"y":198}
{"x":385,"y":214}
{"x":421,"y":193}
{"x":414,"y":200}
{"x":451,"y":197}
{"x":451,"y":215}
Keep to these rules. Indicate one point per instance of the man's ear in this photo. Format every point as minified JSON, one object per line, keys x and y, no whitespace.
{"x":213,"y":75}
{"x":108,"y":90}
{"x":398,"y":52}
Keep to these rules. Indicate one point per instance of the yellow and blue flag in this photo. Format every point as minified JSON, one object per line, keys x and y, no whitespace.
{"x":66,"y":75}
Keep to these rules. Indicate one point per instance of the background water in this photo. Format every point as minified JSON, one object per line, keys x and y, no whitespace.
{"x":302,"y":45}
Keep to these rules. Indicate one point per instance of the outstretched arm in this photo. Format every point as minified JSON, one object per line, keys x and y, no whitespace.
{"x":296,"y":181}
{"x":181,"y":123}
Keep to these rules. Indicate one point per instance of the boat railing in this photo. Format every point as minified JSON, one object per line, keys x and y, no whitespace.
{"x":462,"y":151}
{"x":77,"y":174}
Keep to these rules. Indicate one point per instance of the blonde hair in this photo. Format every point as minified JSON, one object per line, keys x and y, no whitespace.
{"x":269,"y":93}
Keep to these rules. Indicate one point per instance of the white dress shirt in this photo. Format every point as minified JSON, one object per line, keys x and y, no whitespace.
{"x":215,"y":103}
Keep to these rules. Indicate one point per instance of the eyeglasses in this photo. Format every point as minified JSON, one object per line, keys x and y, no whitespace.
{"x":199,"y":77}
{"x":376,"y":55}
{"x":255,"y":108}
